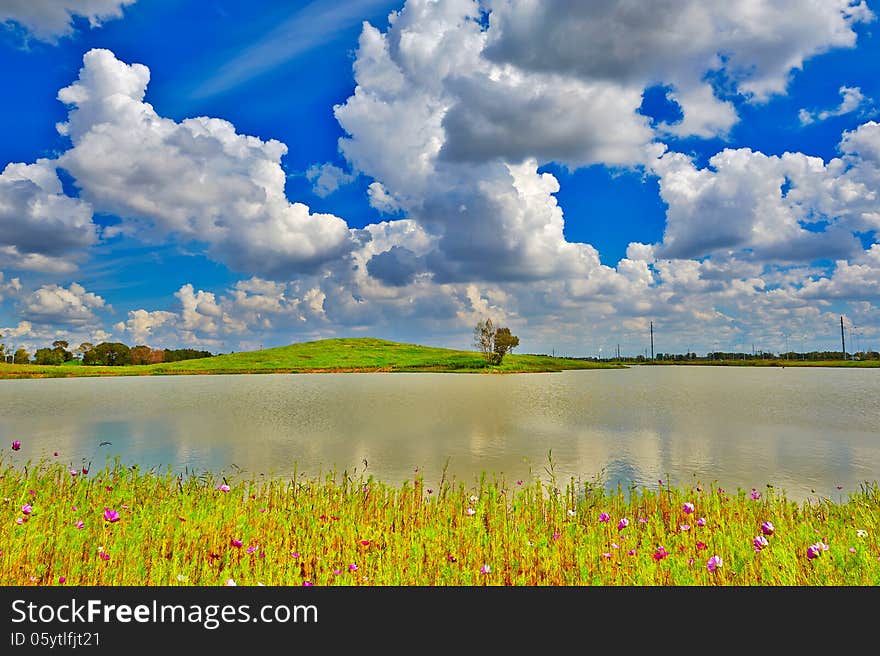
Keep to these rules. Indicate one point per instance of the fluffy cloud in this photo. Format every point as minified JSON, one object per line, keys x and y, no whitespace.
{"x":197,"y":180}
{"x":10,"y":288}
{"x":40,"y":228}
{"x":851,"y":99}
{"x":55,"y":305}
{"x":49,"y":19}
{"x":142,"y":325}
{"x":327,"y":178}
{"x":752,"y":45}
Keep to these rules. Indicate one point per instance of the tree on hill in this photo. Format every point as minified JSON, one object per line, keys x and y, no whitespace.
{"x":141,"y":355}
{"x":109,"y":354}
{"x":21,"y":357}
{"x":494,"y":343}
{"x":48,"y":356}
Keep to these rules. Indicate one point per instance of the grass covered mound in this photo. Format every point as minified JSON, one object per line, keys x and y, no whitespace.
{"x":121,"y":526}
{"x":326,"y":355}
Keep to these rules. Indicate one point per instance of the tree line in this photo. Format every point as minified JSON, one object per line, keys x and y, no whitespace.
{"x":107,"y":354}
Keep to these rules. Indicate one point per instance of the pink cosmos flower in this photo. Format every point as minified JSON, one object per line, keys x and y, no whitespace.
{"x":688,"y":508}
{"x":27,"y":509}
{"x":16,"y":445}
{"x":606,"y":555}
{"x":622,"y":524}
{"x":55,"y":454}
{"x":20,"y":521}
{"x":643,"y":520}
{"x":604,"y":517}
{"x":767,"y":528}
{"x":294,"y":554}
{"x":251,"y":550}
{"x":660,"y":553}
{"x":103,"y":555}
{"x":631,"y":552}
{"x":111,"y":515}
{"x":80,"y":524}
{"x":701,"y":546}
{"x":701,"y":521}
{"x":685,"y":527}
{"x":365,"y":543}
{"x":814,"y":551}
{"x":485,"y":569}
{"x":73,"y":472}
{"x":556,"y":536}
{"x":470,"y":512}
{"x":223,"y":488}
{"x":337,"y":572}
{"x":714,"y":563}
{"x":519,"y":482}
{"x":614,"y":545}
{"x":755,"y":496}
{"x":760,"y":542}
{"x":307,"y":584}
{"x":691,"y":561}
{"x":852,"y":549}
{"x":61,"y":579}
{"x":352,"y":568}
{"x":234,"y":542}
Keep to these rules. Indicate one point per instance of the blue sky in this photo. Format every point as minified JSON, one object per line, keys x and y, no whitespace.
{"x":714,"y":169}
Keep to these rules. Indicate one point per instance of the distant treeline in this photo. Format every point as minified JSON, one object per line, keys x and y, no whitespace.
{"x":107,"y":354}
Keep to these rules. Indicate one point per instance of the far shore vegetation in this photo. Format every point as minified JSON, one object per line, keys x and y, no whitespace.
{"x":322,"y":356}
{"x":61,"y":525}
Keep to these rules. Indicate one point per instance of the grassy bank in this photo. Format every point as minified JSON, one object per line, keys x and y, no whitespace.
{"x":121,"y":526}
{"x":853,"y":364}
{"x":327,"y":355}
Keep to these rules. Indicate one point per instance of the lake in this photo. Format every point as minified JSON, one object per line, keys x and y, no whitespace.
{"x":805,"y":431}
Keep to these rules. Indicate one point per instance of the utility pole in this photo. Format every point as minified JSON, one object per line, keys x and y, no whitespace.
{"x":842,"y":339}
{"x":652,"y":338}
{"x":618,"y":352}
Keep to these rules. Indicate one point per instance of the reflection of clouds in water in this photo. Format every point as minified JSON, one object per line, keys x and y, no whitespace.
{"x":640,"y":425}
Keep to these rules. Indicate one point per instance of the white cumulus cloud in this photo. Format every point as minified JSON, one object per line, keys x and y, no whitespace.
{"x":49,"y":19}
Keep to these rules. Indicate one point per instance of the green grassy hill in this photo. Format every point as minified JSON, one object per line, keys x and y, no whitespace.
{"x":327,"y":355}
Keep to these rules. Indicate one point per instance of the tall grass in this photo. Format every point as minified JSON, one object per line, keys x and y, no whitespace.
{"x":354,"y":530}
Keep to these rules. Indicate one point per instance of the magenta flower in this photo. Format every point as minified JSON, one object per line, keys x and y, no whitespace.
{"x":234,"y":542}
{"x":80,"y":524}
{"x":714,"y":563}
{"x":294,"y":554}
{"x":755,"y":496}
{"x":365,"y":543}
{"x":614,"y":545}
{"x":470,"y":512}
{"x":643,"y":520}
{"x":604,"y":517}
{"x":701,"y":521}
{"x":55,"y":454}
{"x":73,"y":472}
{"x":660,"y":553}
{"x":337,"y":572}
{"x":61,"y":579}
{"x":631,"y":552}
{"x":701,"y":546}
{"x":26,"y":509}
{"x":684,"y":527}
{"x":606,"y":555}
{"x":767,"y":528}
{"x":20,"y":521}
{"x":556,"y":536}
{"x":852,"y":549}
{"x":111,"y":515}
{"x":485,"y":569}
{"x":251,"y":550}
{"x":352,"y":568}
{"x":16,"y":445}
{"x":688,"y":508}
{"x":760,"y":542}
{"x":223,"y":488}
{"x":307,"y":584}
{"x":103,"y":555}
{"x":814,"y":551}
{"x":691,"y":561}
{"x":622,"y":524}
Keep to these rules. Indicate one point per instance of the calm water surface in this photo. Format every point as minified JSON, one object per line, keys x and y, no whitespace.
{"x":798,"y":429}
